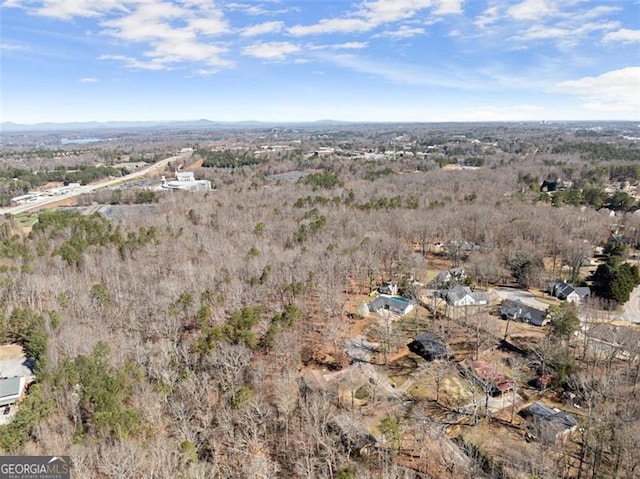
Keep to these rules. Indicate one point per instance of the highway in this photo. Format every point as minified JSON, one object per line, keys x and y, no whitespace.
{"x":155,"y":168}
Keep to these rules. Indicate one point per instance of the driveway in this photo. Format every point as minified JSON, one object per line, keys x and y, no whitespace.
{"x":517,"y":294}
{"x":631,"y":309}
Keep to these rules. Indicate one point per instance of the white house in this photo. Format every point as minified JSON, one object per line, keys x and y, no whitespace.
{"x":463,"y":296}
{"x":11,"y":390}
{"x":397,"y":304}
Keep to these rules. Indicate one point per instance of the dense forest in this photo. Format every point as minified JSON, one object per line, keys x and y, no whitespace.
{"x":172,"y":338}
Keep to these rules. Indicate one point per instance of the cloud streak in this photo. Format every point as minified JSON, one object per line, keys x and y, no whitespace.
{"x":271,"y":50}
{"x":373,"y":14}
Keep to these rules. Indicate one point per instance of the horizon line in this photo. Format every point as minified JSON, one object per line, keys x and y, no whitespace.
{"x":326,"y":120}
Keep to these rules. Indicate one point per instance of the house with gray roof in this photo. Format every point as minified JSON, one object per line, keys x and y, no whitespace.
{"x":396,"y":304}
{"x":463,"y":296}
{"x":545,"y":420}
{"x":446,"y":278}
{"x":516,"y":310}
{"x":567,"y":292}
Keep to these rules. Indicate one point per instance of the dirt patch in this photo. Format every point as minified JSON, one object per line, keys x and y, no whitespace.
{"x":11,"y":351}
{"x":194,"y":166}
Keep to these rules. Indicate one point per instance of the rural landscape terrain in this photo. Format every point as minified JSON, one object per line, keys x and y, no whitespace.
{"x":322,"y":300}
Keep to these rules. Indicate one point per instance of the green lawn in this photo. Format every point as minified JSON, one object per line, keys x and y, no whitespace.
{"x":25,"y":221}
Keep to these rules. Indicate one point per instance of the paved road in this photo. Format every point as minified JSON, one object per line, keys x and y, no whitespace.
{"x":631,"y":309}
{"x":526,"y":297}
{"x":49,"y":200}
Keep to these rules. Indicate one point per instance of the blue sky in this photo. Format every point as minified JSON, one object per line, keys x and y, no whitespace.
{"x":305,"y":60}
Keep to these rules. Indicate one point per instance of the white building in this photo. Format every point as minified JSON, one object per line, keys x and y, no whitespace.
{"x":185,"y":180}
{"x":11,"y":390}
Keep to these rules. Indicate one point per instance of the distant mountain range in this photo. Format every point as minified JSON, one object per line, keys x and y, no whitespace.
{"x":9,"y":126}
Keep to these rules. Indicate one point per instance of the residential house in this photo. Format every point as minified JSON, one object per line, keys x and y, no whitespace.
{"x":388,"y":288}
{"x":518,"y":311}
{"x":566,"y":291}
{"x":463,"y":246}
{"x":352,"y":434}
{"x":488,"y":375}
{"x":445,"y":278}
{"x":312,"y":381}
{"x":396,"y":304}
{"x":463,"y":296}
{"x":547,"y":421}
{"x":614,"y":340}
{"x":11,"y":390}
{"x":428,"y":347}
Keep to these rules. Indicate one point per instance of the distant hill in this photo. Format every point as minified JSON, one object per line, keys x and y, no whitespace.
{"x":9,"y":126}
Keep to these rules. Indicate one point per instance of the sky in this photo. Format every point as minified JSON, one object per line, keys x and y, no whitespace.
{"x":308,"y":60}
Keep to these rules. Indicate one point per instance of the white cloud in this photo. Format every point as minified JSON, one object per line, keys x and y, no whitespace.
{"x":340,"y":46}
{"x":405,"y":31}
{"x":624,"y":35}
{"x":488,"y":17}
{"x":614,"y":91}
{"x":8,"y":47}
{"x":569,"y":31}
{"x":271,"y":50}
{"x":332,"y":25}
{"x":135,"y":64}
{"x":530,"y":10}
{"x":88,"y":80}
{"x":212,"y":25}
{"x":541,"y":32}
{"x":262,"y":29}
{"x":154,"y":22}
{"x":66,"y":9}
{"x":255,"y":10}
{"x":170,"y":32}
{"x":204,"y":72}
{"x":449,"y":7}
{"x":370,"y":15}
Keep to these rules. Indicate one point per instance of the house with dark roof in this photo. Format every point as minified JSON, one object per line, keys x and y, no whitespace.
{"x":312,"y":381}
{"x":463,"y":296}
{"x":428,"y":347}
{"x":352,"y":434}
{"x":516,"y":310}
{"x":567,"y":292}
{"x":396,"y":304}
{"x":388,"y":288}
{"x":545,"y":420}
{"x":445,"y":278}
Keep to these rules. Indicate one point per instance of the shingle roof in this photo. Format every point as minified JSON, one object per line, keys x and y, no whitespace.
{"x":517,"y":310}
{"x":542,"y":411}
{"x":393,"y":303}
{"x":428,"y":347}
